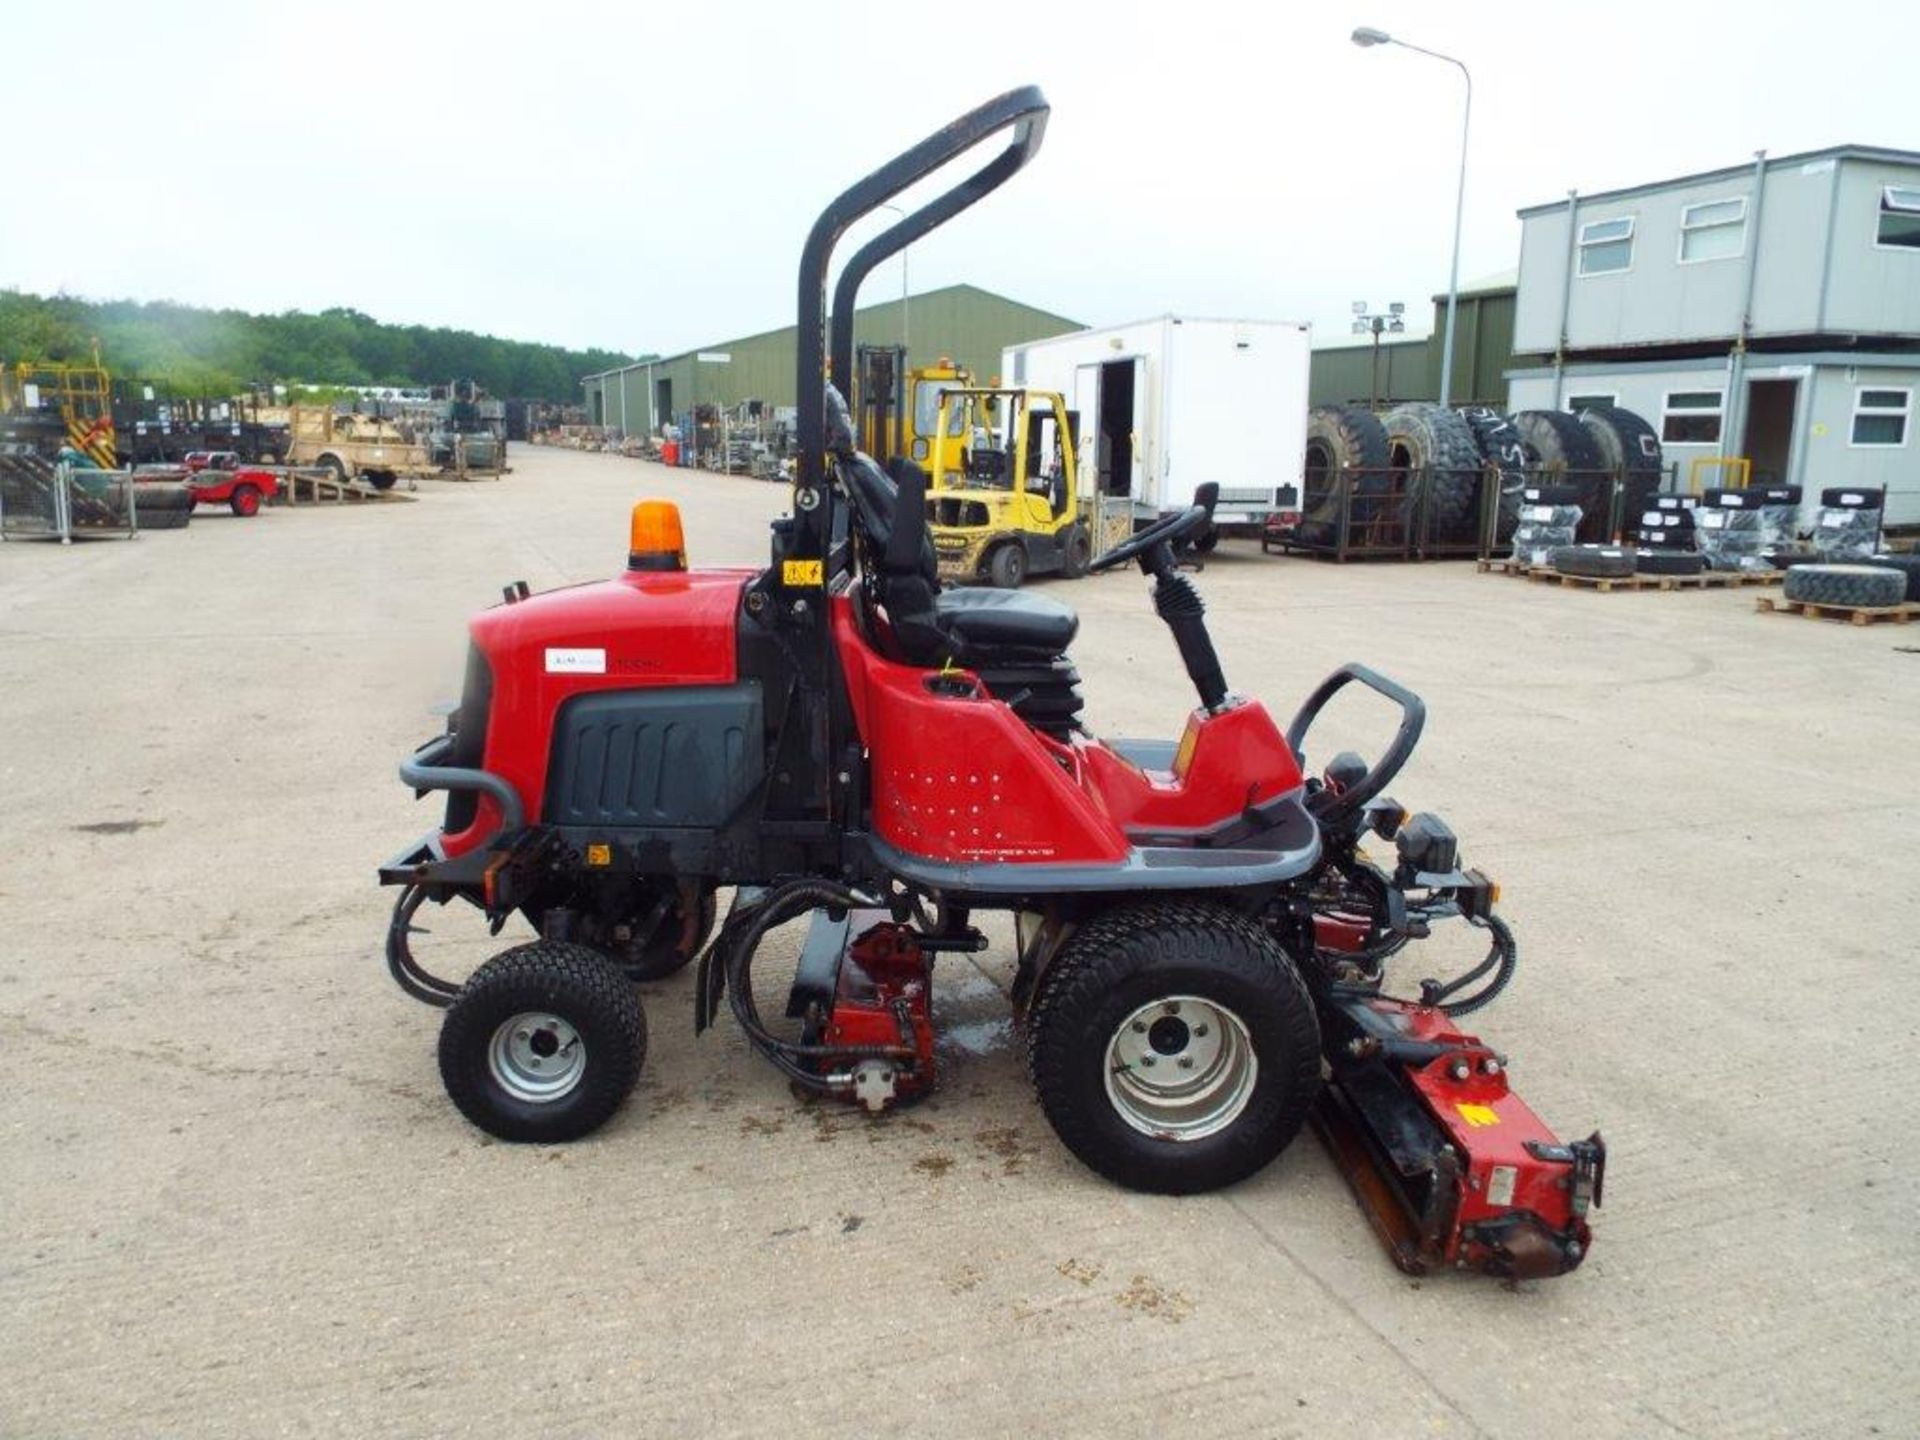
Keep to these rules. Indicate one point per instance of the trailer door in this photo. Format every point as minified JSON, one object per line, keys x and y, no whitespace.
{"x":1111,"y":510}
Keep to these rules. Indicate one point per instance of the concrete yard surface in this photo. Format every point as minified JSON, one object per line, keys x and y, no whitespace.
{"x":234,"y":1200}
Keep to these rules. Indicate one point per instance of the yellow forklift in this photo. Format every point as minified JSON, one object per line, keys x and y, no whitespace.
{"x":1003,"y":495}
{"x":898,"y":408}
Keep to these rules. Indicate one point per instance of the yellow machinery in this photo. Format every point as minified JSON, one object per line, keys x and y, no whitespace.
{"x":1736,"y":471}
{"x":1003,"y":494}
{"x":82,"y":396}
{"x":898,"y":408}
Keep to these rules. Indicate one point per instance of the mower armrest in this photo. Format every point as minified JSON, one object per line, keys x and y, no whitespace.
{"x":423,"y":772}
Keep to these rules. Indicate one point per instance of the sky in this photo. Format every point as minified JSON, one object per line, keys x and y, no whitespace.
{"x":640,"y":177}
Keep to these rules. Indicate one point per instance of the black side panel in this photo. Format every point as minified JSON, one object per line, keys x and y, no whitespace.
{"x":669,"y":758}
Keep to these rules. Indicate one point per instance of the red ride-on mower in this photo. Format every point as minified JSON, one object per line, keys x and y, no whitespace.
{"x":1202,"y":939}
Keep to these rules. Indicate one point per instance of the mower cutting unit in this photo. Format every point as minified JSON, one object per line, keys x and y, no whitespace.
{"x":1202,"y":934}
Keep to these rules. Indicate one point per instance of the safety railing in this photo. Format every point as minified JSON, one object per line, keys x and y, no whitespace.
{"x":41,"y":500}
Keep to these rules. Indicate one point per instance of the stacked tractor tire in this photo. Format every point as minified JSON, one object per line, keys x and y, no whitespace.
{"x":1424,"y":457}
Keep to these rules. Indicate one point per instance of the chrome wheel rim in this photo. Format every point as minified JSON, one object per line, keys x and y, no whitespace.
{"x":1181,"y":1068}
{"x":536,"y":1057}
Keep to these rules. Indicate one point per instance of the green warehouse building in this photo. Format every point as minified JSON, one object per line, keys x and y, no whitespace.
{"x":963,"y":323}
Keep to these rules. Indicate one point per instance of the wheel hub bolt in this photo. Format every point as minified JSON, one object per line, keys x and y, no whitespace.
{"x":1186,"y":1062}
{"x":1139,"y":1027}
{"x":1459,"y":1070}
{"x":1200,"y":1030}
{"x":1146,"y":1060}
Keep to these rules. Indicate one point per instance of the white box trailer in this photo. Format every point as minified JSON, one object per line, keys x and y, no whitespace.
{"x":1169,"y":403}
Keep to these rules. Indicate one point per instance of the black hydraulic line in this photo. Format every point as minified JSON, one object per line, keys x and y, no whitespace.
{"x":421,"y":984}
{"x":783,"y":904}
{"x":1503,"y":957}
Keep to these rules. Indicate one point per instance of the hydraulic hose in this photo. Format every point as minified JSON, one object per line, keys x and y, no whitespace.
{"x":736,"y":947}
{"x":1503,"y":957}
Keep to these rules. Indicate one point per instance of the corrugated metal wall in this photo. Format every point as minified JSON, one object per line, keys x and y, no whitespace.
{"x":961,"y":322}
{"x":1410,"y":369}
{"x":1482,"y":348}
{"x":1343,"y":375}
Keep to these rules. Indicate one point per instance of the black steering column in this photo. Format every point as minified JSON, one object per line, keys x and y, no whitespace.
{"x":1175,"y":599}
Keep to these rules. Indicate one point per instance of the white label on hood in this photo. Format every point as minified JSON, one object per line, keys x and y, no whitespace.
{"x":576,"y":662}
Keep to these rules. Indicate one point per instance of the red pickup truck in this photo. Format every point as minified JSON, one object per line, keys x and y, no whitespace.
{"x":220,"y":477}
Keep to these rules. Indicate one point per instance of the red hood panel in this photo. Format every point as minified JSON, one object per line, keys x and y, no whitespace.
{"x":644,"y":628}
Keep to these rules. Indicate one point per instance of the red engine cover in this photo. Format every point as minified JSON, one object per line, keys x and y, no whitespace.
{"x":644,"y":628}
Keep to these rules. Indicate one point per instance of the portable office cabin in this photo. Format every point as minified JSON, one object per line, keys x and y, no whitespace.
{"x":1168,"y":403}
{"x":1768,"y":311}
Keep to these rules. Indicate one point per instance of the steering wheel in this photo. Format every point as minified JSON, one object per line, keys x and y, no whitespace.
{"x":1174,"y":527}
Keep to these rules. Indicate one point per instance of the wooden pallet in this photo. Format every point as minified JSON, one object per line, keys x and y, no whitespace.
{"x":1858,"y":614}
{"x":1603,"y":584}
{"x":1500,"y":567}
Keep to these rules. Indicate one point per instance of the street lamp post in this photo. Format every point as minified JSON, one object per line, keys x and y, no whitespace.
{"x":1364,"y":37}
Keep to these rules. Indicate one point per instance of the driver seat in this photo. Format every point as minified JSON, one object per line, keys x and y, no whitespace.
{"x":1015,"y":641}
{"x":971,"y":627}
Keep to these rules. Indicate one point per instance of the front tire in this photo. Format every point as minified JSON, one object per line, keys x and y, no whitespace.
{"x":543,"y":1043}
{"x":1007,"y":566}
{"x":1174,"y":1047}
{"x":1078,"y":554}
{"x":245,"y":501}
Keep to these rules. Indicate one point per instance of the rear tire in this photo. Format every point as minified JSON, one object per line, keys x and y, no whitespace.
{"x":245,"y":501}
{"x":543,"y":1043}
{"x":1007,"y":566}
{"x":1139,"y":990}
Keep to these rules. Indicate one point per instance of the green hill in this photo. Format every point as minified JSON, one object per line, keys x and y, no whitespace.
{"x":217,"y":352}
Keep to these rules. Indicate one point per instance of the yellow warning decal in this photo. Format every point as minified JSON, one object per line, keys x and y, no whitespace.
{"x":795,"y":573}
{"x":599,"y":855}
{"x":1478,"y":1116}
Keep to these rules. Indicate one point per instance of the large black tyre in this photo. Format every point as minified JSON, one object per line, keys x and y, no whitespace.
{"x":1007,"y":566}
{"x":543,"y":1043}
{"x":1596,"y":562}
{"x":379,"y":479}
{"x":1077,"y":553}
{"x":1907,"y":565}
{"x":1348,"y":437}
{"x":1339,"y":437}
{"x":1668,"y":562}
{"x":1505,"y":449}
{"x":1564,"y":444}
{"x":1630,"y":447}
{"x":1439,"y":442}
{"x":1164,"y":982}
{"x":666,"y":953}
{"x":1849,"y":585}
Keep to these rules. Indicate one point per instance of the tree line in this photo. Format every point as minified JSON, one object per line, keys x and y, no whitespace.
{"x":209,"y":353}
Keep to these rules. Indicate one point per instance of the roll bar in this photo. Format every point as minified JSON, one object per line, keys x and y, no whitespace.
{"x":1026,"y":111}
